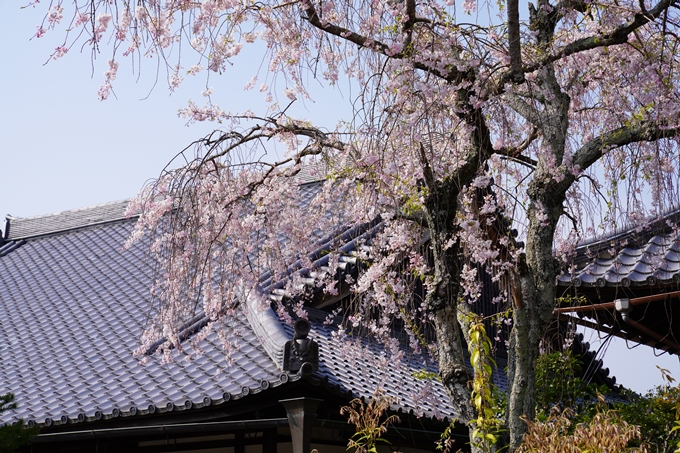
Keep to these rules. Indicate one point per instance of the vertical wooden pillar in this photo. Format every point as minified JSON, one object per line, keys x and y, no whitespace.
{"x":239,"y":444}
{"x":301,"y":417}
{"x":269,"y":441}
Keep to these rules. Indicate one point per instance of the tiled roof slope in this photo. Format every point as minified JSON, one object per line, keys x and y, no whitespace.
{"x":366,"y":366}
{"x":72,"y":307}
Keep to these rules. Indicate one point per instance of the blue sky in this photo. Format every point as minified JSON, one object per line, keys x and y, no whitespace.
{"x":61,"y":148}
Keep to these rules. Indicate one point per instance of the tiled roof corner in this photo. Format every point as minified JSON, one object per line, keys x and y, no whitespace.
{"x":27,"y":227}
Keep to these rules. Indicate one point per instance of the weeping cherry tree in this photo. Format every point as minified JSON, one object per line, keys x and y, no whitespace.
{"x":558,"y":117}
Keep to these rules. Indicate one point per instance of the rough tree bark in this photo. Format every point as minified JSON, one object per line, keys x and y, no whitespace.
{"x":533,"y":281}
{"x":532,"y":309}
{"x":443,"y":298}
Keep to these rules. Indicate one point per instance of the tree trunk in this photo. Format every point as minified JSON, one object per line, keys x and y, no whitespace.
{"x":532,"y":313}
{"x":442,"y":303}
{"x":442,"y":296}
{"x":535,"y":298}
{"x":452,"y":370}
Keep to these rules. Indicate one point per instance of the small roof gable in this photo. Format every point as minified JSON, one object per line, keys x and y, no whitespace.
{"x":24,"y":227}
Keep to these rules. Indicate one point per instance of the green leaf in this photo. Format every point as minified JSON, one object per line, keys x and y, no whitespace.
{"x":478,"y":401}
{"x":474,"y":358}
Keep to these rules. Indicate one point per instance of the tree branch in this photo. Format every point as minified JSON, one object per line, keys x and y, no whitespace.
{"x":514,"y":43}
{"x":516,"y":152}
{"x":342,"y":32}
{"x":523,"y":108}
{"x":644,"y":131}
{"x":451,"y":75}
{"x":410,"y":21}
{"x":618,"y":36}
{"x":415,"y":217}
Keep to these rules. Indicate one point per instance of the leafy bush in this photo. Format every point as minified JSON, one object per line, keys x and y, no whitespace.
{"x":607,"y":432}
{"x":656,"y":414}
{"x":558,"y":386}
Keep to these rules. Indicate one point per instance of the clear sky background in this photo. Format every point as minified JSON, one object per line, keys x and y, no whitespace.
{"x":61,"y":148}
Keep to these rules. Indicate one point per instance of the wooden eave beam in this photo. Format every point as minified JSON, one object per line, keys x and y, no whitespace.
{"x":667,"y":345}
{"x":611,"y":305}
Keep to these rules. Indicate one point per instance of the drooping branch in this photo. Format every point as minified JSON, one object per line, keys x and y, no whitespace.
{"x":516,"y":153}
{"x":342,"y":32}
{"x":451,"y":74}
{"x":272,"y":128}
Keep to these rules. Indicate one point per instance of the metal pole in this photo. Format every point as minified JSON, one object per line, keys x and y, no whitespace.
{"x":301,"y":417}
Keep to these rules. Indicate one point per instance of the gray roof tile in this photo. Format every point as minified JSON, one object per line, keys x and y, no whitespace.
{"x":70,"y":323}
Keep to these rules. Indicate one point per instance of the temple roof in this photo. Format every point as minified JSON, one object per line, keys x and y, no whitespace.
{"x":73,"y":304}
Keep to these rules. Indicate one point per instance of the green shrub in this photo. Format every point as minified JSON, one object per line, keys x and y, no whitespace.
{"x":15,"y":435}
{"x":655,"y":414}
{"x":558,"y":386}
{"x":607,"y":432}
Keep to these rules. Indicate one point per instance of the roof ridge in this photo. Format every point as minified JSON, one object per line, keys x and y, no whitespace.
{"x":646,"y":229}
{"x":62,"y":221}
{"x":83,"y":208}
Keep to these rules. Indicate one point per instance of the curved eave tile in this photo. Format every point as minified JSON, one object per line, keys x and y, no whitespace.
{"x":657,"y":262}
{"x":91,"y":414}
